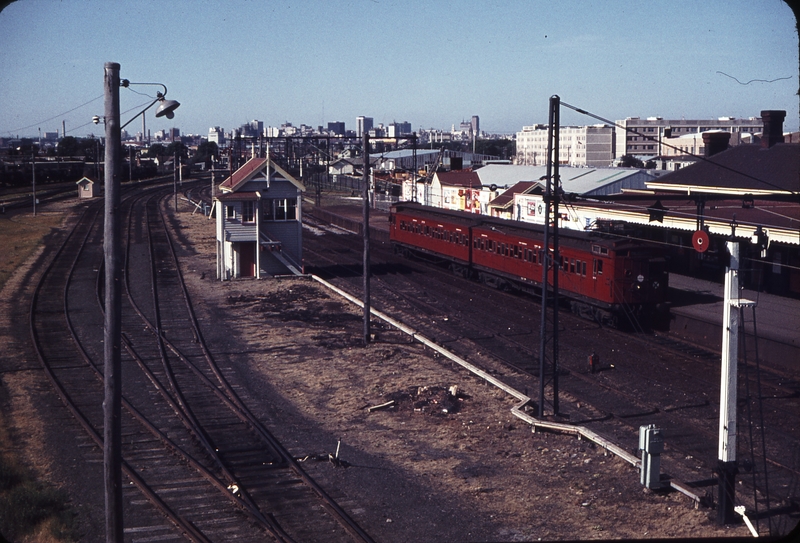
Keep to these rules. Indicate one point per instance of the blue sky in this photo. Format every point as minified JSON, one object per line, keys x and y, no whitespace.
{"x":432,"y":63}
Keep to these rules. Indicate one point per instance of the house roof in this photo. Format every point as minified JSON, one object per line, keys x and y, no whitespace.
{"x":84,"y":179}
{"x":459,"y":178}
{"x":251,"y":169}
{"x":401,"y":153}
{"x":780,"y":219}
{"x":236,"y":196}
{"x":747,"y":168}
{"x":507,"y":198}
{"x":574,"y":180}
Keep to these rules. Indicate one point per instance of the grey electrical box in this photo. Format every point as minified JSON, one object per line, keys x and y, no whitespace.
{"x":651,"y":443}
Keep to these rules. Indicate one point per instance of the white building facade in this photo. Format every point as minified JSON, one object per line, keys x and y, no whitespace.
{"x":654,"y":131}
{"x":579,"y":146}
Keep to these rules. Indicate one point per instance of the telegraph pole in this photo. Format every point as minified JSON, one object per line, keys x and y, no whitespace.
{"x":365,"y":181}
{"x":33,"y":169}
{"x":112,"y":403}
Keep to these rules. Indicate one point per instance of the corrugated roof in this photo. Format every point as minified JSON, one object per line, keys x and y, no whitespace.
{"x":250,"y":169}
{"x":459,"y":178}
{"x":507,"y":198}
{"x":573,"y":180}
{"x":402,"y":153}
{"x":743,"y":168}
{"x":243,"y":174}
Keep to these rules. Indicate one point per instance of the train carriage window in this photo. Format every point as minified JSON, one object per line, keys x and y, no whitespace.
{"x":583,"y":269}
{"x":572,"y":266}
{"x":598,"y":267}
{"x":476,"y":243}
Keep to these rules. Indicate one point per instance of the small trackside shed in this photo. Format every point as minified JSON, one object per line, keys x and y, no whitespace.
{"x":86,"y":188}
{"x":259,"y":222}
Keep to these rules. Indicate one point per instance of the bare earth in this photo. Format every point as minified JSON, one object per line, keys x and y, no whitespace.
{"x":411,"y":471}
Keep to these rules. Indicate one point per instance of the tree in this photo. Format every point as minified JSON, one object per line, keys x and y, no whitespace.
{"x":156,"y":150}
{"x":177,"y":147}
{"x":69,"y":146}
{"x":628,"y":161}
{"x":503,"y":148}
{"x":205,"y":151}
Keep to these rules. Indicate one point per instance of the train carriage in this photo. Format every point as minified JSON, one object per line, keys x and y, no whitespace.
{"x":603,"y":277}
{"x":436,"y":233}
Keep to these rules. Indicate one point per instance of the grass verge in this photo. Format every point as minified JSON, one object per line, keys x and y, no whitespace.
{"x":20,"y":235}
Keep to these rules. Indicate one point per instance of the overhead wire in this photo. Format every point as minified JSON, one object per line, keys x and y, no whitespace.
{"x":665,"y":144}
{"x":54,"y":116}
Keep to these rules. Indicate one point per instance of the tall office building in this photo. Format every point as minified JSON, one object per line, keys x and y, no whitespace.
{"x":363,"y":124}
{"x":337,"y":128}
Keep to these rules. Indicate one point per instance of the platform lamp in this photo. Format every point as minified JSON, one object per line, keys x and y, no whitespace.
{"x":112,"y":249}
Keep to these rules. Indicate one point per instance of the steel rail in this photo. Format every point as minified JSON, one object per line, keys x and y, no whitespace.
{"x":181,"y":523}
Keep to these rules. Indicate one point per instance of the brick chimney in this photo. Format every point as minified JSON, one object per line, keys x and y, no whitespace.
{"x":773,"y":127}
{"x":715,"y":141}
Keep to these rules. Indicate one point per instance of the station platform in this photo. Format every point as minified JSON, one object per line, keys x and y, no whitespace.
{"x":696,"y":315}
{"x":695,"y":309}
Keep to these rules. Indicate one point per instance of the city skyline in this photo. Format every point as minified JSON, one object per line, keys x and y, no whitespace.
{"x":433,"y":64}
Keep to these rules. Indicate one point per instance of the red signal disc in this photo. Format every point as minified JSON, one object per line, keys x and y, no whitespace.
{"x":700,"y":241}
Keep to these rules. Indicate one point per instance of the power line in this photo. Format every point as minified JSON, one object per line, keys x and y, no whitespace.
{"x":54,"y":116}
{"x":665,"y":144}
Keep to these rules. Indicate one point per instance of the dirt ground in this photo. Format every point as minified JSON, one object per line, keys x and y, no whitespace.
{"x":429,"y":467}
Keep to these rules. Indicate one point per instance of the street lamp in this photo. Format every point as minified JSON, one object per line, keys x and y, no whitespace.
{"x":112,"y":249}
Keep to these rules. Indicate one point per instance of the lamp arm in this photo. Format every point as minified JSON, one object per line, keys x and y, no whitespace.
{"x":159,"y":97}
{"x":126,"y":83}
{"x":141,"y":112}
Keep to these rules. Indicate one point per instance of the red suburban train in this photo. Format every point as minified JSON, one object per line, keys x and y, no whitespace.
{"x":604,"y":278}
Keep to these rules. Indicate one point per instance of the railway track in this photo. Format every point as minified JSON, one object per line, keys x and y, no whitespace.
{"x":191,"y":446}
{"x":667,"y":383}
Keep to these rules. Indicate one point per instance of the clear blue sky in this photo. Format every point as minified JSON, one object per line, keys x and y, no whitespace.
{"x":432,"y":63}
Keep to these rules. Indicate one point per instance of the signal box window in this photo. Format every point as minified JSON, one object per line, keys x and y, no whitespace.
{"x":248,"y":212}
{"x":279,"y":209}
{"x":230,"y":212}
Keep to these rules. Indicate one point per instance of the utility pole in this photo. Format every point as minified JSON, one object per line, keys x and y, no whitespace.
{"x":112,"y":403}
{"x":365,"y":181}
{"x":551,"y":261}
{"x":33,"y":169}
{"x":175,"y":176}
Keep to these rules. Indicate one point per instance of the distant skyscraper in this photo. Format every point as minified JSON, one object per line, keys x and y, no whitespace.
{"x":363,"y":124}
{"x":257,"y":127}
{"x":216,"y":135}
{"x":337,"y":128}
